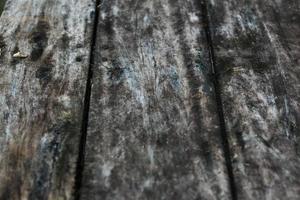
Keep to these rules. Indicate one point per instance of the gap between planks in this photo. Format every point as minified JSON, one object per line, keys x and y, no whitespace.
{"x":215,"y":80}
{"x":86,"y":108}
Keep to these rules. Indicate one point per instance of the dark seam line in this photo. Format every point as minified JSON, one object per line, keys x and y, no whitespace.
{"x":86,"y":108}
{"x":214,"y":76}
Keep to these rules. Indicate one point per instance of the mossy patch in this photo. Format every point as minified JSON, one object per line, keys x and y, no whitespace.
{"x":2,"y":4}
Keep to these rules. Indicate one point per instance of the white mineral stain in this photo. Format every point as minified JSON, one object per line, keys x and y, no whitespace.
{"x":8,"y":132}
{"x":103,"y":15}
{"x":115,"y":10}
{"x":65,"y":101}
{"x":193,"y":17}
{"x":286,"y":107}
{"x":43,"y":139}
{"x":146,"y":20}
{"x":272,"y":112}
{"x":240,"y":20}
{"x":106,"y":169}
{"x":148,"y":183}
{"x":150,"y":151}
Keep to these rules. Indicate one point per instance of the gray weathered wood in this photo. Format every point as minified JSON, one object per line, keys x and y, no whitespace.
{"x":153,"y":129}
{"x":45,"y":45}
{"x":257,"y":45}
{"x":153,"y":126}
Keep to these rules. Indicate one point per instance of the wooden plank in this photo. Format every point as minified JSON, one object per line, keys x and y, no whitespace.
{"x":45,"y":46}
{"x":257,"y":46}
{"x":153,"y":129}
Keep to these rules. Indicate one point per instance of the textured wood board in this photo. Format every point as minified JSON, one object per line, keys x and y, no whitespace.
{"x":45,"y":47}
{"x":257,"y":53}
{"x":153,"y":128}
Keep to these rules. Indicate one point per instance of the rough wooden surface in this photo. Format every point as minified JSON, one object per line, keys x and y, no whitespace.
{"x":45,"y":45}
{"x":153,"y":129}
{"x":257,"y":46}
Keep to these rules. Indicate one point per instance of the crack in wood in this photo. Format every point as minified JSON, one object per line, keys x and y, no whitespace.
{"x":214,"y":76}
{"x":86,"y":108}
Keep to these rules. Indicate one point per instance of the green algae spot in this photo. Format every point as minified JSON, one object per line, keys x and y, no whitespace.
{"x":2,"y":3}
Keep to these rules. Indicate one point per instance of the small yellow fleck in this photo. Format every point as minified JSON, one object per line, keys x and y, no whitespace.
{"x":19,"y":55}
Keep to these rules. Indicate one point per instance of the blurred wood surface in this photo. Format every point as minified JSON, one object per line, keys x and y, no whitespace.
{"x":125,"y":100}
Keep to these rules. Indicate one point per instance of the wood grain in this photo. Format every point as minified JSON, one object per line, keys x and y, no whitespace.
{"x":153,"y":123}
{"x":153,"y":129}
{"x":257,"y":46}
{"x":45,"y":46}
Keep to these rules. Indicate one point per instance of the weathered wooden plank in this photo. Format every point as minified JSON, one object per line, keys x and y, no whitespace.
{"x":45,"y":45}
{"x":153,"y":128}
{"x":257,"y":45}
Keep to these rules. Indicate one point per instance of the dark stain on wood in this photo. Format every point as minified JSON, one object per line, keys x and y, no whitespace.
{"x":39,"y":38}
{"x":44,"y":73}
{"x":2,"y":48}
{"x":44,"y":70}
{"x":64,"y":41}
{"x":115,"y":73}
